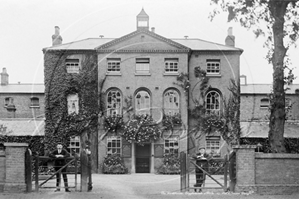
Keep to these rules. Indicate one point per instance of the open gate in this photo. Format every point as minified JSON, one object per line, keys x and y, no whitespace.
{"x":219,"y":174}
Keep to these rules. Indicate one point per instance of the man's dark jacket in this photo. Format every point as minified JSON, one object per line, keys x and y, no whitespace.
{"x":61,"y":161}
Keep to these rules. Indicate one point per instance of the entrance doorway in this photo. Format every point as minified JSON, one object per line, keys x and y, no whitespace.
{"x":143,"y":154}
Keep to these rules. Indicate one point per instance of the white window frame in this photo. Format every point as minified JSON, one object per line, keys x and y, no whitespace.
{"x":142,"y":102}
{"x":171,"y":65}
{"x":73,"y":103}
{"x":171,"y":102}
{"x":213,"y":144}
{"x":113,"y":65}
{"x":74,"y":145}
{"x":264,"y":103}
{"x":112,"y":145}
{"x":34,"y":102}
{"x":171,"y":144}
{"x":213,"y":67}
{"x":113,"y":102}
{"x":142,"y":65}
{"x":72,"y":65}
{"x":213,"y":102}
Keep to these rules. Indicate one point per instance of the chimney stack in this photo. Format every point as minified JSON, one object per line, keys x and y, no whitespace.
{"x":4,"y":77}
{"x":243,"y":80}
{"x":56,"y":38}
{"x":230,"y":39}
{"x":153,"y":29}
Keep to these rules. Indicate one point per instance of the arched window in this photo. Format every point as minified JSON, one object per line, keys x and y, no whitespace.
{"x":73,"y":103}
{"x":212,"y":100}
{"x":171,"y":102}
{"x":113,"y":102}
{"x":142,"y":102}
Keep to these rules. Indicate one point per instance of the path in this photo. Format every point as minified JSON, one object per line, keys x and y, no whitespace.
{"x":138,"y":186}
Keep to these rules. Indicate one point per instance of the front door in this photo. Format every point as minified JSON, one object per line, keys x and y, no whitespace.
{"x":143,"y":158}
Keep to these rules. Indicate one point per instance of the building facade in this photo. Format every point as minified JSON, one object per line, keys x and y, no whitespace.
{"x":139,"y":74}
{"x":255,"y":110}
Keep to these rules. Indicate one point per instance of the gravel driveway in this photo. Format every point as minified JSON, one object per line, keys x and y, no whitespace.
{"x":138,"y":186}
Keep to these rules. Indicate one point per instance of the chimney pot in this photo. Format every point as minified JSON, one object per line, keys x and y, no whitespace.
{"x":243,"y":80}
{"x":56,"y":38}
{"x":230,"y":39}
{"x":186,"y":37}
{"x":4,"y":77}
{"x":153,"y":29}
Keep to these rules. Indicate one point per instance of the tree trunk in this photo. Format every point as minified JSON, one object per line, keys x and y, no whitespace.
{"x":277,"y":102}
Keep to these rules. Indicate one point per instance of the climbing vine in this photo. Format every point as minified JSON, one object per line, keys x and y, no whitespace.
{"x":169,"y":122}
{"x":141,"y":129}
{"x":226,"y":122}
{"x":59,"y":125}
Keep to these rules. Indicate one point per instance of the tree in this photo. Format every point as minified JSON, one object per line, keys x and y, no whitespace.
{"x":281,"y":32}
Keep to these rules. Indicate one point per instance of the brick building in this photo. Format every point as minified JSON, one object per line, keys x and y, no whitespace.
{"x":142,"y":68}
{"x":21,"y":108}
{"x":255,"y":110}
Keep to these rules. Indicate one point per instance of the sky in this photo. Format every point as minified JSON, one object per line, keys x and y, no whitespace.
{"x":26,"y":27}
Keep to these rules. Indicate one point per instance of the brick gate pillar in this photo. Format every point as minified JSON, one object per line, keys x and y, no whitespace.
{"x":245,"y":168}
{"x":15,"y":167}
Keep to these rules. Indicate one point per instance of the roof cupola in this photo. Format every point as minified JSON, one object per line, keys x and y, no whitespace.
{"x":142,"y":20}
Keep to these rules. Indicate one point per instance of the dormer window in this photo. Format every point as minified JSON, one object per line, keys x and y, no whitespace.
{"x":72,"y":65}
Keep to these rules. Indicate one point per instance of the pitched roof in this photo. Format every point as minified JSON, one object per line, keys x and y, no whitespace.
{"x":85,"y":44}
{"x":260,"y":129}
{"x":22,"y":88}
{"x":202,"y":45}
{"x":23,"y":127}
{"x":265,"y":88}
{"x":142,"y":13}
{"x":94,"y":43}
{"x":150,"y":33}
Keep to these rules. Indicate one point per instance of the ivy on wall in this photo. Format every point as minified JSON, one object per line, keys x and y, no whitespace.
{"x":226,"y":122}
{"x":59,"y":125}
{"x":141,"y":129}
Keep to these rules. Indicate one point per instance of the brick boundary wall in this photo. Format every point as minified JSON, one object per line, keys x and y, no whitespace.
{"x":2,"y":170}
{"x":266,"y":173}
{"x":15,"y":167}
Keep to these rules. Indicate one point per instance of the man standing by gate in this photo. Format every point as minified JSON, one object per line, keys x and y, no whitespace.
{"x":60,"y":156}
{"x":201,"y":161}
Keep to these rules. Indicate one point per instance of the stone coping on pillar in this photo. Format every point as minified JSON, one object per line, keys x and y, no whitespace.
{"x":15,"y":144}
{"x":244,"y":146}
